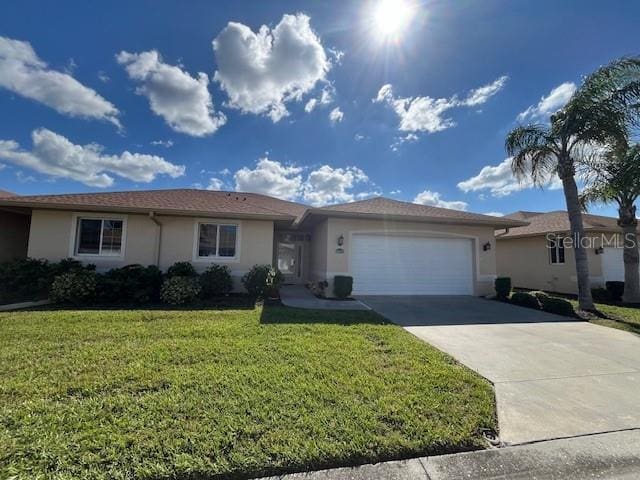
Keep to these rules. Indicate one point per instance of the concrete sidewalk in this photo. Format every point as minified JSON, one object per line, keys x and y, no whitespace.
{"x":298,"y":296}
{"x":604,"y":456}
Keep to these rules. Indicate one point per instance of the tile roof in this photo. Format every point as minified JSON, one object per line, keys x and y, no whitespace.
{"x":558,"y":221}
{"x":177,"y":200}
{"x":386,"y":207}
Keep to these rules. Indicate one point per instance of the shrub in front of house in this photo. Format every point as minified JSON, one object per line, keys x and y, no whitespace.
{"x":503,"y":287}
{"x":262,"y":281}
{"x":525,"y":299}
{"x":616,"y":290}
{"x":216,"y":281}
{"x":181,"y":269}
{"x":24,"y":279}
{"x":130,"y":284}
{"x":600,"y":295}
{"x":180,"y":290}
{"x":342,"y":286}
{"x":557,"y":305}
{"x":540,"y":295}
{"x":77,"y":287}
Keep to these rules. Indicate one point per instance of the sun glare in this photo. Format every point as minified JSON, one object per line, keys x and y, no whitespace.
{"x":392,"y":16}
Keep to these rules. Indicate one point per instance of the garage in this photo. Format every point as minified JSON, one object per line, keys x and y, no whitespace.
{"x":613,"y":264}
{"x":411,"y":265}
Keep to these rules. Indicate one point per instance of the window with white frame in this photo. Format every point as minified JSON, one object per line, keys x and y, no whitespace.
{"x":99,"y":237}
{"x":217,"y":240}
{"x":556,"y":250}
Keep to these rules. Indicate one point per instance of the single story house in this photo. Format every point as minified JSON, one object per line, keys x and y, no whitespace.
{"x":540,"y":255}
{"x":388,"y":246}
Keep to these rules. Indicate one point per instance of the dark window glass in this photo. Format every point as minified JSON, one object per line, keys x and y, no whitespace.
{"x":208,"y":240}
{"x":89,"y":236}
{"x":227,"y":247}
{"x":560,"y":251}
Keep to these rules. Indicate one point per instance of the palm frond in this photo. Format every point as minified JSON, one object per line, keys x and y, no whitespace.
{"x":533,"y":153}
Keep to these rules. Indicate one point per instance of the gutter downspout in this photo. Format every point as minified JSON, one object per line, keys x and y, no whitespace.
{"x":155,"y":220}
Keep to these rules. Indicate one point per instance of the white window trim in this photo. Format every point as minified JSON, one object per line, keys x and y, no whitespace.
{"x":557,"y":249}
{"x":96,"y":216}
{"x":219,"y":222}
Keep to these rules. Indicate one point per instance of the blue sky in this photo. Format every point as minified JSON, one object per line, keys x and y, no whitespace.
{"x":118,"y":95}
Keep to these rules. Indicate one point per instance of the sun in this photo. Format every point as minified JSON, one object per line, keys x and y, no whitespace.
{"x":390,"y":17}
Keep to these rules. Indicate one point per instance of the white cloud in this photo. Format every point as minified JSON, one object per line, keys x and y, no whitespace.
{"x":395,"y":192}
{"x":311,"y":105}
{"x":358,"y":137}
{"x":427,"y":197}
{"x":182,"y":100}
{"x":500,"y":181}
{"x":215,"y":184}
{"x":24,"y":73}
{"x":261,"y":72}
{"x":103,"y":77}
{"x":162,"y":143}
{"x":331,"y":185}
{"x":336,"y":115}
{"x":557,"y":98}
{"x":55,"y":155}
{"x":495,"y":214}
{"x":426,"y":114}
{"x":480,"y":95}
{"x":271,"y":178}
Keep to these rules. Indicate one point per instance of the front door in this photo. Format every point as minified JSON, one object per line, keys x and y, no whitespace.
{"x":290,"y":257}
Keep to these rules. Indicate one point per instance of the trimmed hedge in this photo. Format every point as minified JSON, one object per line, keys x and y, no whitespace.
{"x":216,"y":281}
{"x":76,"y":287}
{"x":616,"y":290}
{"x":503,"y":287}
{"x":262,"y":280}
{"x":525,"y":299}
{"x":342,"y":286}
{"x":180,"y":290}
{"x":181,"y":269}
{"x":130,"y":284}
{"x":557,"y":305}
{"x":30,"y":279}
{"x":600,"y":295}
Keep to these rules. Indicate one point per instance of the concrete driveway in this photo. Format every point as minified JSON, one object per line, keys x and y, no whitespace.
{"x":553,"y":378}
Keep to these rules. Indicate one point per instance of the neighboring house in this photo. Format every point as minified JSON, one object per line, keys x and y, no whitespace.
{"x":389,"y":247}
{"x":14,"y":231}
{"x":536,"y":256}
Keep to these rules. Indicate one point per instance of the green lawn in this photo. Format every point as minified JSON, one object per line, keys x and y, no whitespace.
{"x":218,"y":393}
{"x":623,"y":318}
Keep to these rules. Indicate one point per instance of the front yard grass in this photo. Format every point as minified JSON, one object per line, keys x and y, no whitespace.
{"x":618,"y":316}
{"x":224,"y":393}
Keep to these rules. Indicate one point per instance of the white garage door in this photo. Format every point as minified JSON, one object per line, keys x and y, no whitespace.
{"x":404,"y":265}
{"x":613,"y":264}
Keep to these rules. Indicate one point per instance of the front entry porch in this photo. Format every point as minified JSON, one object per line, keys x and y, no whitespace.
{"x":292,"y":253}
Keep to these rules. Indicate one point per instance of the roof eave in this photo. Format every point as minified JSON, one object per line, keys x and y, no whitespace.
{"x":555,"y":232}
{"x":496,"y":222}
{"x":146,"y":210}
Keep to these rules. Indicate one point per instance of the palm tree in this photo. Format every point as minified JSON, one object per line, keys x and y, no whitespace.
{"x":616,"y":179}
{"x":595,"y":115}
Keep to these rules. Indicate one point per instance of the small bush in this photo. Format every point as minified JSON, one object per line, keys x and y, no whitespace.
{"x":600,"y":295}
{"x":76,"y":287}
{"x":503,"y":287}
{"x":616,"y":290}
{"x":181,"y":269}
{"x":180,"y":290}
{"x":262,"y":280}
{"x":130,"y":284}
{"x":216,"y":281}
{"x":540,"y":295}
{"x":342,"y":286}
{"x":557,"y":305}
{"x":525,"y":299}
{"x":24,"y":279}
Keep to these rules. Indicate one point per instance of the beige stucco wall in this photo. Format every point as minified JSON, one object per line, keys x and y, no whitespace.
{"x":14,"y":235}
{"x":338,"y":263}
{"x":51,"y":238}
{"x":526,"y":261}
{"x":318,"y":258}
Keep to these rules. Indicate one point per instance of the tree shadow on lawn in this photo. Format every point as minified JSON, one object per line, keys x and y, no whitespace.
{"x":276,"y":313}
{"x":230,"y":302}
